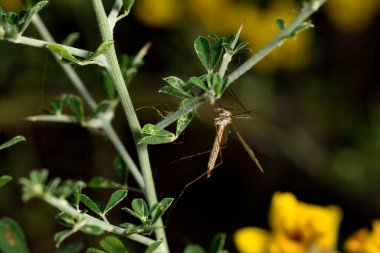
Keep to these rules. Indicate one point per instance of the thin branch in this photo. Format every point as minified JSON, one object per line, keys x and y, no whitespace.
{"x":308,"y":9}
{"x":41,"y":43}
{"x":65,"y":207}
{"x":79,"y":85}
{"x":113,"y":16}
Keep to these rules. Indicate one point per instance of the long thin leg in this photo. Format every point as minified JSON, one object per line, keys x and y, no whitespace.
{"x":181,"y":193}
{"x":248,"y":149}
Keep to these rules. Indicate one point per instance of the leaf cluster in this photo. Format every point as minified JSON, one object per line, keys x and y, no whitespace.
{"x":38,"y":186}
{"x":207,"y":87}
{"x":14,"y":24}
{"x":147,"y":216}
{"x":70,"y":108}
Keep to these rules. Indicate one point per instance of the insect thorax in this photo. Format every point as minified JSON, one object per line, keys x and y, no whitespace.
{"x":224,"y":118}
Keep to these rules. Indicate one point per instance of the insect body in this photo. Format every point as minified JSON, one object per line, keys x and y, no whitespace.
{"x":221,"y":122}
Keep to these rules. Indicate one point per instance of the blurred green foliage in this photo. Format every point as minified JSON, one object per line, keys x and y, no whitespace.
{"x":317,"y":130}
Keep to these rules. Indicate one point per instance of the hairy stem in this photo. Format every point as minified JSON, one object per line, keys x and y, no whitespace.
{"x":79,"y":85}
{"x":134,"y":124}
{"x":41,"y":43}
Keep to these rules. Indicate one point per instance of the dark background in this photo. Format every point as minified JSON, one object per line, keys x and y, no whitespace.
{"x":315,"y":128}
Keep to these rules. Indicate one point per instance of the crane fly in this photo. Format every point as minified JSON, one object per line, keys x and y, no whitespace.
{"x":221,"y":122}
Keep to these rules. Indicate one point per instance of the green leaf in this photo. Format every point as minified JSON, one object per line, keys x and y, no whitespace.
{"x":4,"y":180}
{"x":12,"y":142}
{"x":127,"y":4}
{"x":25,"y":21}
{"x":65,"y":219}
{"x":131,"y":212}
{"x":92,"y":230}
{"x":77,"y":197}
{"x":217,"y":84}
{"x":101,"y":107}
{"x":194,"y":248}
{"x":242,"y":48}
{"x":156,"y":135}
{"x":305,"y":25}
{"x":217,"y":243}
{"x":175,"y":92}
{"x":90,"y":204}
{"x":76,"y":106}
{"x":121,"y":169}
{"x":71,"y":39}
{"x":280,"y":23}
{"x":101,"y":182}
{"x":140,"y":207}
{"x":62,"y":51}
{"x":52,"y":186}
{"x":156,"y":131}
{"x":175,"y":82}
{"x":184,"y":120}
{"x":101,"y":49}
{"x":12,"y":239}
{"x":153,"y":247}
{"x":93,"y":250}
{"x":199,"y":83}
{"x":115,"y":199}
{"x":67,"y":188}
{"x":155,"y":140}
{"x":202,"y":48}
{"x":74,"y":247}
{"x":39,"y":176}
{"x":112,"y":244}
{"x":60,"y":236}
{"x":216,"y":53}
{"x":160,"y":209}
{"x":177,"y":87}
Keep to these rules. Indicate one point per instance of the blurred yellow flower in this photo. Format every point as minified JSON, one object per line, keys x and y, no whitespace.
{"x":11,"y":5}
{"x":296,"y":227}
{"x":364,"y":241}
{"x":352,"y":16}
{"x":251,"y":240}
{"x":225,"y":16}
{"x":159,"y":13}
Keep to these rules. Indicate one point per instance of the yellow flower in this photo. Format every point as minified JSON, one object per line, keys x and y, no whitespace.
{"x":296,"y":227}
{"x":159,"y":13}
{"x":364,"y":241}
{"x":302,"y":224}
{"x":11,"y":5}
{"x":352,"y":16}
{"x":251,"y":240}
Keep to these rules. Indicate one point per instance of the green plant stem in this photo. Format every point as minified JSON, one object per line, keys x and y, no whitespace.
{"x":41,"y":43}
{"x":113,"y":16}
{"x":307,"y":10}
{"x":134,"y":124}
{"x":79,"y":85}
{"x":64,"y":206}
